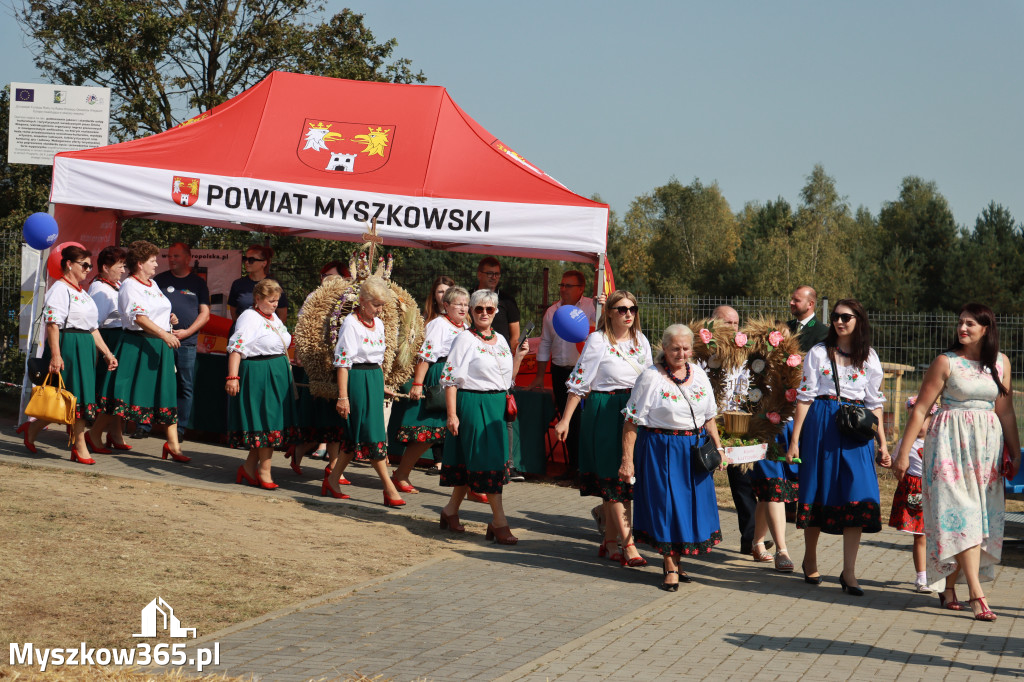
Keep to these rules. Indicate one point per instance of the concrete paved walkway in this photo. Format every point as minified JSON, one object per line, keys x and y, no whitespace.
{"x":549,"y":609}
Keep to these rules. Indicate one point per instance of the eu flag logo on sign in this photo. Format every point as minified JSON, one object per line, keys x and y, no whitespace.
{"x":24,"y":95}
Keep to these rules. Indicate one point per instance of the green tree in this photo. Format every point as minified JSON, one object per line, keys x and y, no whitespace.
{"x":764,"y":261}
{"x":921,"y":223}
{"x":695,"y":238}
{"x":820,"y":238}
{"x":988,"y":265}
{"x":629,"y":246}
{"x":167,"y":60}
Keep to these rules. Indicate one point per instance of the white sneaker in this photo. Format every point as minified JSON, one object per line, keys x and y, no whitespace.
{"x":923,"y":588}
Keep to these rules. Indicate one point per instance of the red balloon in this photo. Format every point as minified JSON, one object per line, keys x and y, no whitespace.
{"x":53,"y":261}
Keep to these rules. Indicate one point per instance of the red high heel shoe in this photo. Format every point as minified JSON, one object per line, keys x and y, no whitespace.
{"x":75,"y":457}
{"x":327,"y":491}
{"x":402,"y":487}
{"x":290,"y":454}
{"x":263,"y":484}
{"x":603,"y":551}
{"x":451,"y":522}
{"x":177,"y":458}
{"x":478,"y":497}
{"x":636,"y":561}
{"x":93,"y":448}
{"x":503,"y":535}
{"x":952,"y":604}
{"x":241,"y":475}
{"x":393,"y":503}
{"x":986,"y":614}
{"x":115,"y":446}
{"x":341,"y":481}
{"x":23,"y":430}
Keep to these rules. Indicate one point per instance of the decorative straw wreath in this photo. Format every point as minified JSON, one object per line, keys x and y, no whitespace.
{"x":771,"y":356}
{"x":316,"y":334}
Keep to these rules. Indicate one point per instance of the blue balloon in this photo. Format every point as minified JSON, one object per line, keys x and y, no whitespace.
{"x":571,"y":324}
{"x":40,"y":231}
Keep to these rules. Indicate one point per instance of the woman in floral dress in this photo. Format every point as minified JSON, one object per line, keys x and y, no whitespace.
{"x":838,"y":483}
{"x":671,"y":408}
{"x":963,"y":491}
{"x":615,"y":355}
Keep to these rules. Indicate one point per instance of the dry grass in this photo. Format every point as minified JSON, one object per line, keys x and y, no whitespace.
{"x":83,"y":553}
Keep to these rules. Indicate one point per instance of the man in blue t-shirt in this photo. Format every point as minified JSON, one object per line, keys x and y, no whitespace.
{"x":190,"y":302}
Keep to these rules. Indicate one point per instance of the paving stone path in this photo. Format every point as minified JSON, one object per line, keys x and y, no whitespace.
{"x":550,"y":609}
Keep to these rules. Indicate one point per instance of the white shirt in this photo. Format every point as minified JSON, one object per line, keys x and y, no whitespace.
{"x":916,"y":467}
{"x":803,"y":323}
{"x":256,"y":335}
{"x":478,"y":366}
{"x":552,"y":347}
{"x":105,"y":298}
{"x":358,"y":344}
{"x":856,"y":384}
{"x":658,"y":403}
{"x":438,"y":339}
{"x":604,"y":366}
{"x":135,"y":298}
{"x":69,"y":308}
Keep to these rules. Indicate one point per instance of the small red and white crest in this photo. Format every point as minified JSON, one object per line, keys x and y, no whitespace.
{"x":184,"y":191}
{"x":336,"y":146}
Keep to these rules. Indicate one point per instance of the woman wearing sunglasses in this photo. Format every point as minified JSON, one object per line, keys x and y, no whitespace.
{"x":257,"y":267}
{"x":422,"y":427}
{"x":144,"y":389}
{"x":838,"y":482}
{"x":615,"y":355}
{"x":72,"y":335}
{"x":962,"y":484}
{"x":479,"y":371}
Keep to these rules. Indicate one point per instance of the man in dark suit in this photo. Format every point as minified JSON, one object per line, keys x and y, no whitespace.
{"x":809,"y":330}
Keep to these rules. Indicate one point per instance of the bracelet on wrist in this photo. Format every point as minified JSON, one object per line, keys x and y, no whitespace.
{"x":234,"y":378}
{"x":343,"y":398}
{"x":415,"y":384}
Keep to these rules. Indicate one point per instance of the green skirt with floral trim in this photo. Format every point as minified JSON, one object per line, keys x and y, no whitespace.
{"x":478,"y":456}
{"x":366,"y":431}
{"x":143,"y":389}
{"x":78,"y":351}
{"x":262,"y":415}
{"x":601,"y":447}
{"x":420,"y":424}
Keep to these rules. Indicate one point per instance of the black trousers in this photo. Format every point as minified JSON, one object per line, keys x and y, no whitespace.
{"x":743,"y":498}
{"x":559,"y":375}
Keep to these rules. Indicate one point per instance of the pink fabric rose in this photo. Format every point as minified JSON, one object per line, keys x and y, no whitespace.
{"x":793,"y":360}
{"x":774,"y":417}
{"x":791,"y":395}
{"x":775,"y":338}
{"x":741,"y":339}
{"x":706,"y":335}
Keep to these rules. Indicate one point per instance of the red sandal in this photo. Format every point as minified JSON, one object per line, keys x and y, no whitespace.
{"x":986,"y":613}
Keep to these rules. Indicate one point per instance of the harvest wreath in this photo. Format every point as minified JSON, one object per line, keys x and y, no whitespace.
{"x":773,"y":363}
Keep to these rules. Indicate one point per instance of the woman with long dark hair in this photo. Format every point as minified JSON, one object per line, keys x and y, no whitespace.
{"x":434,"y":307}
{"x":963,"y":491}
{"x":838,"y":482}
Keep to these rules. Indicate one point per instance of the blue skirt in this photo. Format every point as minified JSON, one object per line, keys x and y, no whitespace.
{"x":838,"y":483}
{"x":674,"y":508}
{"x":774,"y":481}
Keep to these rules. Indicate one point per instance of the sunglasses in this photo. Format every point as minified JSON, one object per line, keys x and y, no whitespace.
{"x":623,"y":309}
{"x":85,"y":266}
{"x":490,"y":274}
{"x":480,"y":310}
{"x":250,"y":260}
{"x":844,"y":317}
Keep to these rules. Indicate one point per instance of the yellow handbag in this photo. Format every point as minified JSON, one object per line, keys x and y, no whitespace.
{"x":52,"y":403}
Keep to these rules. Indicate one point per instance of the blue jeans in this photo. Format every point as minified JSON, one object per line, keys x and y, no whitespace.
{"x":185,"y":361}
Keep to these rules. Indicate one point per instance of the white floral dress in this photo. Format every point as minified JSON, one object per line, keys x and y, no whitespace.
{"x":963,"y":491}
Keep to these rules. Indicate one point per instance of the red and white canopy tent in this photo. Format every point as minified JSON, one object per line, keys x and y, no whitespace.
{"x":321,"y":157}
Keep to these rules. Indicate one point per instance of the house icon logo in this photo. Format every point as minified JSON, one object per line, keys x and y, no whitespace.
{"x":158,"y":614}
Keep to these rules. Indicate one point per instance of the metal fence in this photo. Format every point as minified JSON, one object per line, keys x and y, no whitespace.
{"x":909,"y":339}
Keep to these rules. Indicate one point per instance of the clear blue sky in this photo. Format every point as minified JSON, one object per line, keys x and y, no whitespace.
{"x":616,"y":98}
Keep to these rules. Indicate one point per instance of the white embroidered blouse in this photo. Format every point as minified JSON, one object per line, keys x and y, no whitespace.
{"x":135,"y":298}
{"x":358,"y":344}
{"x":438,"y":339}
{"x":607,"y":366}
{"x":478,"y":366}
{"x":69,"y":308}
{"x":256,"y":335}
{"x":856,"y":384}
{"x":658,"y":403}
{"x":105,"y":298}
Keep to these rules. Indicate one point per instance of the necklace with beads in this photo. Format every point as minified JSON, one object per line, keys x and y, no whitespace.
{"x":480,"y":334}
{"x":842,"y":352}
{"x":147,"y":283}
{"x":672,"y":376}
{"x":369,"y":325}
{"x":72,"y":284}
{"x":263,"y":314}
{"x":110,"y":284}
{"x":458,"y":325}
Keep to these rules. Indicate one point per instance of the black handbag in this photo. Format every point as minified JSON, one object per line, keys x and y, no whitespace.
{"x":433,"y":399}
{"x":37,"y":369}
{"x":854,"y":421}
{"x":705,"y":456}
